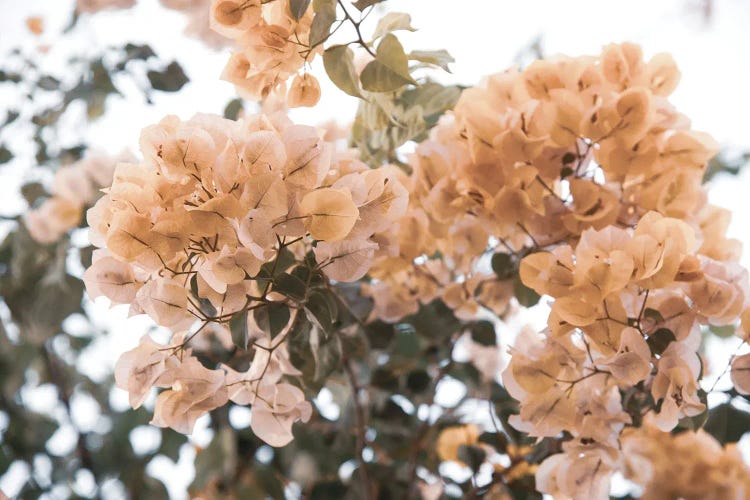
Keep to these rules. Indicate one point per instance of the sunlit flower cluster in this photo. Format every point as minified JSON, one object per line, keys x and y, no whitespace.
{"x":532,"y":158}
{"x":194,"y":234}
{"x":582,"y":171}
{"x":74,"y":188}
{"x":272,"y":45}
{"x":689,"y":465}
{"x":624,"y":329}
{"x":440,"y":242}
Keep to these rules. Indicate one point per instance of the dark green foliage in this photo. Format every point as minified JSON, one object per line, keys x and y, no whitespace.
{"x":170,"y":79}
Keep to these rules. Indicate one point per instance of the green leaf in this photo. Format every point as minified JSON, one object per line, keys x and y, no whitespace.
{"x":9,"y":77}
{"x":301,"y":355}
{"x":653,"y":314}
{"x":41,"y":155}
{"x":379,"y":334}
{"x":433,"y":98}
{"x":357,"y":305}
{"x":314,"y":354}
{"x":386,"y":121}
{"x":170,"y":79}
{"x":208,"y":463}
{"x":725,"y":163}
{"x":727,"y":423}
{"x":55,"y":301}
{"x":5,"y":154}
{"x":233,"y":108}
{"x":238,"y":328}
{"x":269,"y":480}
{"x":318,"y":5}
{"x":327,"y":358}
{"x":298,"y":8}
{"x":47,"y":82}
{"x":390,"y":69}
{"x":339,"y":64}
{"x":321,"y":310}
{"x":407,"y":342}
{"x":101,"y":79}
{"x":11,"y":116}
{"x":467,"y":374}
{"x":353,"y":344}
{"x":304,"y":273}
{"x":525,"y":295}
{"x":32,"y":192}
{"x":135,"y":52}
{"x":410,"y":124}
{"x":86,"y":255}
{"x":290,"y":286}
{"x":659,"y":340}
{"x":504,"y":265}
{"x":154,"y":489}
{"x":392,"y":21}
{"x":384,"y":378}
{"x":724,"y":332}
{"x":473,"y":456}
{"x":363,"y":4}
{"x":321,"y":24}
{"x":418,"y":381}
{"x":440,"y":58}
{"x":206,"y":307}
{"x":497,"y":440}
{"x":327,"y":489}
{"x":272,"y":318}
{"x":171,"y":442}
{"x":483,"y":332}
{"x":434,"y":321}
{"x":283,"y":261}
{"x":72,"y":154}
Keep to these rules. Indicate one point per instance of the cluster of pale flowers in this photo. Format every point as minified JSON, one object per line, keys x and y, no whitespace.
{"x":582,"y":170}
{"x":75,"y":187}
{"x":622,"y":336}
{"x":440,"y":244}
{"x":184,"y":236}
{"x":272,"y":45}
{"x":532,"y":158}
{"x":691,"y":465}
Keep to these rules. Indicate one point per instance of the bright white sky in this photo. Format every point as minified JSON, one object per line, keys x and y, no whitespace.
{"x":483,"y":35}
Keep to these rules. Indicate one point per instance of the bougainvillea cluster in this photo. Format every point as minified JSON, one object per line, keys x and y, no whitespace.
{"x":580,"y":174}
{"x":195,"y":236}
{"x":697,"y":465}
{"x":273,"y":43}
{"x":574,"y":180}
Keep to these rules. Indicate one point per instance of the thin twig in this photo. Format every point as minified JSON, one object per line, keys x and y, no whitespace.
{"x":360,"y":424}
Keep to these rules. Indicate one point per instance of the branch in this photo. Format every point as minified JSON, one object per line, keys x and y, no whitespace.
{"x":59,"y":379}
{"x":360,"y":423}
{"x":360,"y":40}
{"x":422,"y":432}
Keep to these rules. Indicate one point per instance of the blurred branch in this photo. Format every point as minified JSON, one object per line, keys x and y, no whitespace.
{"x":360,"y":423}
